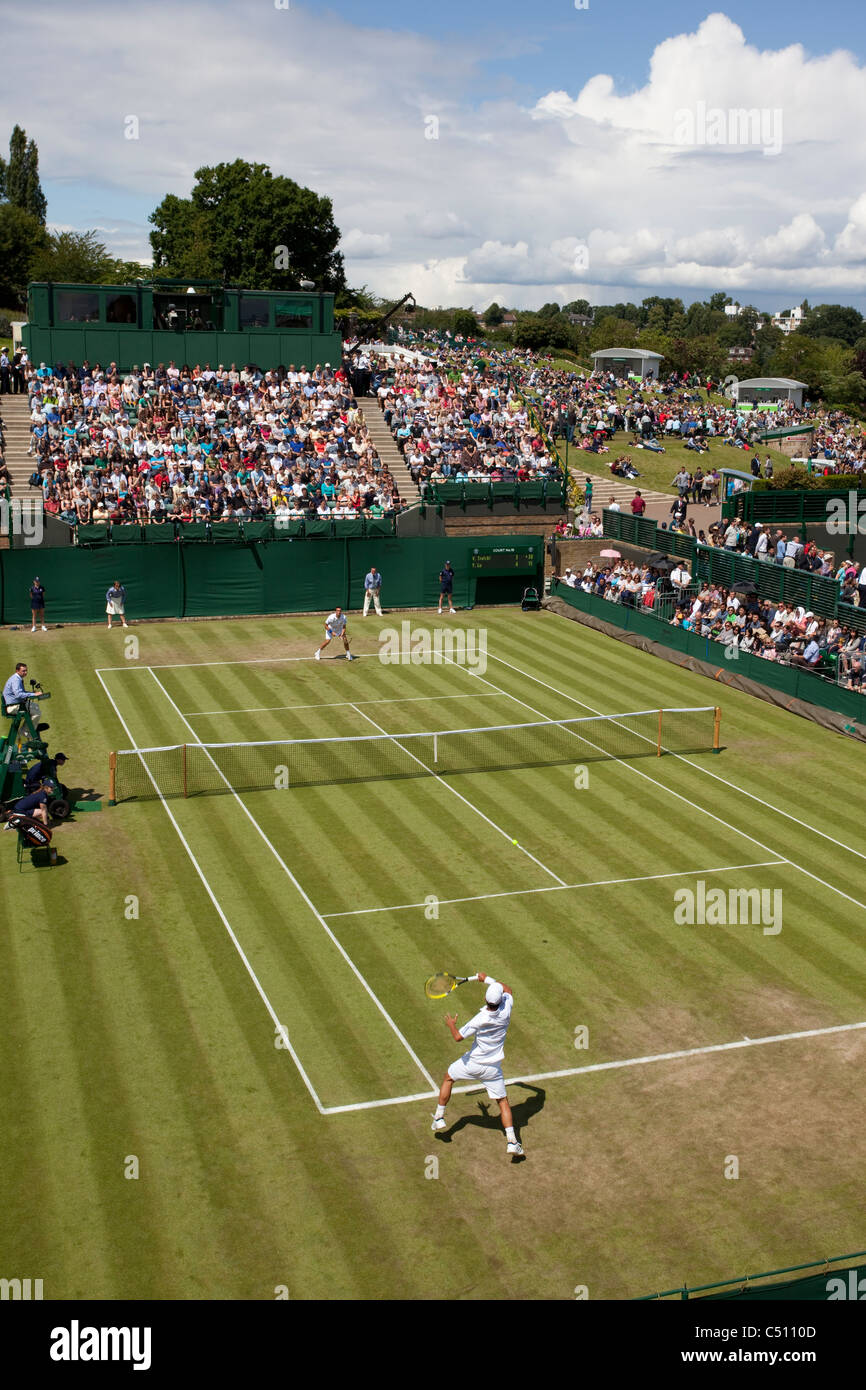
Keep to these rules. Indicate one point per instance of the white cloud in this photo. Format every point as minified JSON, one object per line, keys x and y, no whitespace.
{"x":365,"y":246}
{"x":498,"y":204}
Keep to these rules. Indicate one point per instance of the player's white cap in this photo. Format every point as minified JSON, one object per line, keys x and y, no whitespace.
{"x":494,"y":994}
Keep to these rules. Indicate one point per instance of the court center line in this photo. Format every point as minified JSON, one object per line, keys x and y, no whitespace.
{"x":279,"y":1027}
{"x":306,"y":898}
{"x":523,"y":892}
{"x":611,"y":1066}
{"x":339,"y":704}
{"x":646,"y":777}
{"x":465,"y":800}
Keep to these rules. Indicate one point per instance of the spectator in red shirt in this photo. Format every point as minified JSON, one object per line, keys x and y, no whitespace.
{"x":638,"y":505}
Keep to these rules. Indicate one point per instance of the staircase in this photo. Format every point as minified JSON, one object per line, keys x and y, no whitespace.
{"x":383,"y":442}
{"x":606,"y":489}
{"x":15,"y":411}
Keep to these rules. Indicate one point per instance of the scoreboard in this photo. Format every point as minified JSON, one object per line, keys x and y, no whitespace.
{"x":505,"y":559}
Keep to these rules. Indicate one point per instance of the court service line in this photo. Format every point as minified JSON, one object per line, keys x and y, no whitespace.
{"x":523,"y":892}
{"x":610,"y":1066}
{"x":339,"y":704}
{"x":310,"y":904}
{"x":697,"y":766}
{"x":279,"y":1027}
{"x":466,"y":801}
{"x":646,"y":777}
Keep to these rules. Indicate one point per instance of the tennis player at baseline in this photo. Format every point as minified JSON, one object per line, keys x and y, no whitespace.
{"x":335,"y":626}
{"x":483,"y":1062}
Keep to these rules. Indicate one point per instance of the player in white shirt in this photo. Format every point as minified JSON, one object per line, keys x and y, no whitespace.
{"x":335,"y":626}
{"x":483,"y":1062}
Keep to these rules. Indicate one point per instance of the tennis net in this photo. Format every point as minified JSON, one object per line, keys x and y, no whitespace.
{"x":199,"y":769}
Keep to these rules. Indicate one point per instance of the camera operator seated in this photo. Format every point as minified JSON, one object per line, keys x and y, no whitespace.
{"x":15,"y":696}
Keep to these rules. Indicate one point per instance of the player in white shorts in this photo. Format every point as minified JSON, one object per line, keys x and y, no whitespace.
{"x":483,"y":1062}
{"x":335,"y":626}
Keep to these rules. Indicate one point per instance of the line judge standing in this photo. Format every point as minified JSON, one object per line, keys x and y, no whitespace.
{"x":372,"y":591}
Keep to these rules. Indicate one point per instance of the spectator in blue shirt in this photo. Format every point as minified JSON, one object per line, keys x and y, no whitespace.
{"x":372,"y":590}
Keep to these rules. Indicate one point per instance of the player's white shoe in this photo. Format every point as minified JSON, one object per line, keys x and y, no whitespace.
{"x":438,"y":1123}
{"x":514,"y":1146}
{"x":317,"y":654}
{"x":349,"y":656}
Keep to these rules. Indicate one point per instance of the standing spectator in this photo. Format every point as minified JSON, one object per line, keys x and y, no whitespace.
{"x":678,"y":510}
{"x":446,"y":587}
{"x":5,"y":372}
{"x":681,"y":579}
{"x":372,"y":589}
{"x":115,"y":603}
{"x":762,"y":544}
{"x":588,"y":493}
{"x":37,"y":604}
{"x":638,"y":505}
{"x":861,"y":587}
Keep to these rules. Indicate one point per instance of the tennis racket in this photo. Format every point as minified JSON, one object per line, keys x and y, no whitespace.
{"x":442,"y":983}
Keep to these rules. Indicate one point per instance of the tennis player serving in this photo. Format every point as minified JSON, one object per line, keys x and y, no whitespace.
{"x":335,"y":626}
{"x":483,"y":1062}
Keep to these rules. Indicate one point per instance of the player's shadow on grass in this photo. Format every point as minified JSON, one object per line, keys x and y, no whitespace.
{"x":487,"y":1116}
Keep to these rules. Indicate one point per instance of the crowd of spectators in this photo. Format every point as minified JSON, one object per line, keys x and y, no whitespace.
{"x":458,"y":417}
{"x":786,"y":633}
{"x":170,"y":443}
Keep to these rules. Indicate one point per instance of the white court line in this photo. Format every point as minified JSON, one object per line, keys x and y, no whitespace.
{"x":610,"y":1066}
{"x":279,"y":1027}
{"x":646,"y":777}
{"x":339,"y":704}
{"x":182,"y":665}
{"x":320,"y":919}
{"x":465,"y":800}
{"x":697,"y":766}
{"x":522,"y":892}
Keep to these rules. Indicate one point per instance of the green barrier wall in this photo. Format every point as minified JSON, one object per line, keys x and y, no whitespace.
{"x":800,"y":685}
{"x":231,"y":580}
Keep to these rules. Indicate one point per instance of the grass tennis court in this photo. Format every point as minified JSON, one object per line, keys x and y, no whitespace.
{"x":229,"y":988}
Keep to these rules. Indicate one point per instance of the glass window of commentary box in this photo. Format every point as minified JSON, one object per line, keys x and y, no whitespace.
{"x":121,"y":309}
{"x":293,"y":314}
{"x":77,"y":306}
{"x":255,"y":311}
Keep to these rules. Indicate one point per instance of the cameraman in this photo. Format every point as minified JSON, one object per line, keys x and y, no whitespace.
{"x":14,"y":694}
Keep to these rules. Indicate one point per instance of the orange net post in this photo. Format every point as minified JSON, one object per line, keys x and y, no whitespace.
{"x":717,"y":729}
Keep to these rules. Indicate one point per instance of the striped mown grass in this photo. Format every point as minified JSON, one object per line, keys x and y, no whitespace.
{"x":221,"y":987}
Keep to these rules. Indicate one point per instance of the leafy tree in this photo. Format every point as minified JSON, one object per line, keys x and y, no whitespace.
{"x":833,"y":321}
{"x":612,"y":331}
{"x":22,"y":236}
{"x":494,"y":315}
{"x":548,"y":311}
{"x":800,"y":358}
{"x":718,"y":300}
{"x":253,"y":228}
{"x":19,"y":179}
{"x":75,"y":257}
{"x":464,"y":324}
{"x":578,"y":306}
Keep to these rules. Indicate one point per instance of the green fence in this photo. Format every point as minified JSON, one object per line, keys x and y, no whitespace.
{"x":793,"y":506}
{"x":829,"y":1286}
{"x":799,"y":684}
{"x":815,"y":592}
{"x":536,"y":494}
{"x":218,"y":532}
{"x":234,"y":579}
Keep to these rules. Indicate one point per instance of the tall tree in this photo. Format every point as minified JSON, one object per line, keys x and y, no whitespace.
{"x":21,"y":236}
{"x":20,"y":176}
{"x":251,"y":227}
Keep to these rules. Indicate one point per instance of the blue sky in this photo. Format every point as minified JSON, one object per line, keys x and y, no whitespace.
{"x":558,"y":167}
